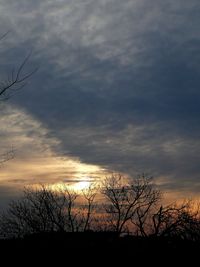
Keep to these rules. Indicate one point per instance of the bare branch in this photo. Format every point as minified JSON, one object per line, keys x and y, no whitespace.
{"x":7,"y":156}
{"x":16,"y":81}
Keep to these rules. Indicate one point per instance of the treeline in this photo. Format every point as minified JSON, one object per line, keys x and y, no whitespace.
{"x":120,"y":206}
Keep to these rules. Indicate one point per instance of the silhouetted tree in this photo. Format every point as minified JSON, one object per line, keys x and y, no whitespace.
{"x":80,"y":208}
{"x":39,"y":210}
{"x":45,"y":210}
{"x":177,"y":220}
{"x":128,"y":206}
{"x":89,"y":195}
{"x":70,"y":197}
{"x":127,"y":200}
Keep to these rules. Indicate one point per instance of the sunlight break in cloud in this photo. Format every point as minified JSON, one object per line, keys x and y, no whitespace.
{"x":35,"y":160}
{"x":118,"y":84}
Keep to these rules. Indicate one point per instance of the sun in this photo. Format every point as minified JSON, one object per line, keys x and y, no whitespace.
{"x":82,"y":185}
{"x":76,"y":186}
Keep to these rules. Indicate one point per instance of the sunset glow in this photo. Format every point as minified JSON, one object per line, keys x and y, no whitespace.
{"x":99,"y":131}
{"x":116,"y":90}
{"x":82,"y":185}
{"x":78,"y":186}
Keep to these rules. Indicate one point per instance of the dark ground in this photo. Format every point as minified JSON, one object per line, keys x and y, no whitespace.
{"x":96,"y":248}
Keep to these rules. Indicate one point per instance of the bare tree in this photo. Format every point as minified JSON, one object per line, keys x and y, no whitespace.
{"x":16,"y":79}
{"x":125,"y":200}
{"x":177,"y":220}
{"x":128,"y":204}
{"x":80,"y":208}
{"x":44,"y":210}
{"x":70,"y":197}
{"x":89,"y":195}
{"x":145,"y":209}
{"x":39,"y":210}
{"x":48,"y":207}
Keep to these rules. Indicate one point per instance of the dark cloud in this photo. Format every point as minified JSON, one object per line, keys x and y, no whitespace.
{"x":118,"y":83}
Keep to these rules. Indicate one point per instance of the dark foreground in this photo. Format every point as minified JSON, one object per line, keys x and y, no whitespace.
{"x":99,"y":248}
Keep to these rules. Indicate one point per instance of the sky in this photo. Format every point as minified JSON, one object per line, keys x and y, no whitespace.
{"x":117,"y":90}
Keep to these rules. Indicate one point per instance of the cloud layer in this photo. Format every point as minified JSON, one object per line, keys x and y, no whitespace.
{"x":118,"y":84}
{"x":35,"y":160}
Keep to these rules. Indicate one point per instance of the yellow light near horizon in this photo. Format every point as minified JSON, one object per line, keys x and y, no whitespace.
{"x":82,"y":185}
{"x":76,"y":186}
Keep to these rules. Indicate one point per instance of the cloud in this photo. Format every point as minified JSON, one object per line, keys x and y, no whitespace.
{"x":149,"y":148}
{"x":35,"y":160}
{"x":118,"y":84}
